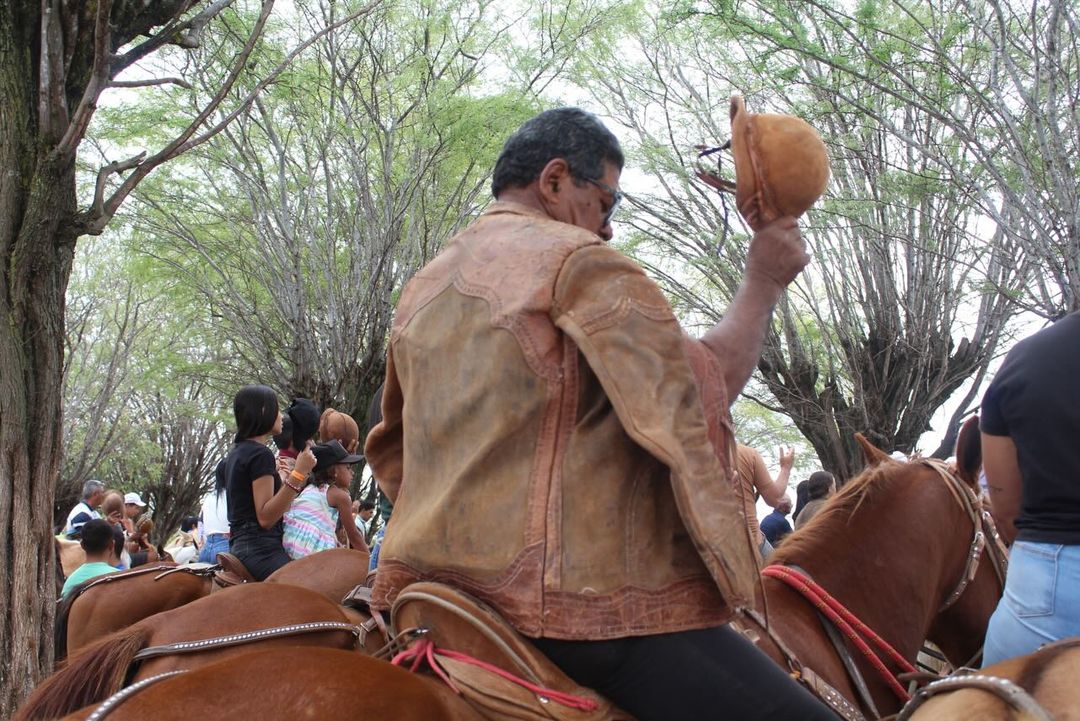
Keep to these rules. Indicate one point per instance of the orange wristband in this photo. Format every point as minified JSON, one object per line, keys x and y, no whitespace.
{"x":298,"y":476}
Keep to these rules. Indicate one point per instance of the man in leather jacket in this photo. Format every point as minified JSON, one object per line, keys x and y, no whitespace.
{"x":555,"y":445}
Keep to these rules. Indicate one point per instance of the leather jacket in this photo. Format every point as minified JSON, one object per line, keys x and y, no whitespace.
{"x":546,"y":443}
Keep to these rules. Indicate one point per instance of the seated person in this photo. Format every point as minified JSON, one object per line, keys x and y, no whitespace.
{"x":183,"y":546}
{"x":775,"y":525}
{"x":312,"y":519}
{"x":818,"y":489}
{"x":102,"y":553}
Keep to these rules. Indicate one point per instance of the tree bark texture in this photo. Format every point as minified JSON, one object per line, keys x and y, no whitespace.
{"x":55,"y":58}
{"x":37,"y":201}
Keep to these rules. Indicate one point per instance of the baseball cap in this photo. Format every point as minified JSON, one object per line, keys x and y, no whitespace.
{"x":133,"y":498}
{"x":331,"y":454}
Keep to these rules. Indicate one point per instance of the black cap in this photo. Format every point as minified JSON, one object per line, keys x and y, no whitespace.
{"x":332,"y":454}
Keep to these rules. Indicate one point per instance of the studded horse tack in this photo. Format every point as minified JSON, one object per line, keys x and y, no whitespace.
{"x":239,"y":639}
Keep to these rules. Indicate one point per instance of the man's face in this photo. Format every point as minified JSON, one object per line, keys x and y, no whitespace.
{"x":367,"y":513}
{"x":587,"y":204}
{"x":95,"y":500}
{"x":131,"y":510}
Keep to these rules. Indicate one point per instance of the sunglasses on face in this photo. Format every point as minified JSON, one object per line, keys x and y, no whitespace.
{"x":616,"y":198}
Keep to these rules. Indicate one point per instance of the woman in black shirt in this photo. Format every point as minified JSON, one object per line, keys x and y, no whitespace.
{"x":257,"y":496}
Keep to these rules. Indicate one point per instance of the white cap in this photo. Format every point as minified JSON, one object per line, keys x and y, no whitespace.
{"x":133,"y":498}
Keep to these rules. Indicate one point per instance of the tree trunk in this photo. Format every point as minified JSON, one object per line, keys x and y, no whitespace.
{"x":37,"y":202}
{"x":37,"y":265}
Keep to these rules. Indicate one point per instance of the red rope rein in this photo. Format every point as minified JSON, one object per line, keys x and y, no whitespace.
{"x":425,"y":650}
{"x":848,"y":623}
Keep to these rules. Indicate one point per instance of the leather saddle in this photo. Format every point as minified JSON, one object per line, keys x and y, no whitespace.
{"x":233,"y":572}
{"x":455,"y":622}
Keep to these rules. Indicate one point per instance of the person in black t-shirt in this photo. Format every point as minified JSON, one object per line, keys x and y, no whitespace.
{"x":257,"y":496}
{"x":1030,"y":422}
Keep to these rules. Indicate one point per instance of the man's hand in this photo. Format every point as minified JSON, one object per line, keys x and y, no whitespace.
{"x":787,"y":457}
{"x":777,"y":253}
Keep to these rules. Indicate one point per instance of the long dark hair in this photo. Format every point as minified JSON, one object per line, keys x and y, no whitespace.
{"x":256,"y":411}
{"x":220,"y":481}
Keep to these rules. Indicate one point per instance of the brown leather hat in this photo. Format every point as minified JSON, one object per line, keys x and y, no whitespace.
{"x":781,"y":166}
{"x":338,"y":426}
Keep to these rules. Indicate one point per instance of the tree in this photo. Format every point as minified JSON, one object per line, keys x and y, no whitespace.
{"x":1002,"y":77}
{"x":56,"y":60}
{"x":899,"y":307}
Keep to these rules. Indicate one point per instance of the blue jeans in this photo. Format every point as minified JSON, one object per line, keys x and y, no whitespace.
{"x":1041,"y":602}
{"x":215,"y":543}
{"x":376,"y":546}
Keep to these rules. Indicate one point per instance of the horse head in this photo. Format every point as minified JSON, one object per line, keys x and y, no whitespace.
{"x":959,"y":628}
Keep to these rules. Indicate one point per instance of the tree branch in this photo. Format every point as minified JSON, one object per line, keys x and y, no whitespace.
{"x":145,"y":83}
{"x":96,"y":222}
{"x":99,"y":76}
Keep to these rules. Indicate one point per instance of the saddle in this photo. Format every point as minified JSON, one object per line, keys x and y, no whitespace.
{"x":233,"y":572}
{"x":497,"y":670}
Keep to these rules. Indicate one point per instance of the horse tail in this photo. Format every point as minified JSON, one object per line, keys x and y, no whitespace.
{"x":90,"y":676}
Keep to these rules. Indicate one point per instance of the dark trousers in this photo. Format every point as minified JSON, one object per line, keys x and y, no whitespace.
{"x":712,"y":673}
{"x":262,"y":555}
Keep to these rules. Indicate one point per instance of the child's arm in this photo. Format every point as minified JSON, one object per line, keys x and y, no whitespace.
{"x":339,"y":499}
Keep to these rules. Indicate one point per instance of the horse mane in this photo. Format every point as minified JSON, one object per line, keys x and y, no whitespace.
{"x":63,"y":611}
{"x":836,"y":512}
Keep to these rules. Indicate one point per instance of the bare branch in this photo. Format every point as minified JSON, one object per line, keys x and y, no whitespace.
{"x":105,"y":171}
{"x":99,"y":77}
{"x":154,"y":81}
{"x":169,"y":33}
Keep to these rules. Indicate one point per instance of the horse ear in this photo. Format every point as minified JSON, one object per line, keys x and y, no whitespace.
{"x":871,"y":453}
{"x":969,"y":452}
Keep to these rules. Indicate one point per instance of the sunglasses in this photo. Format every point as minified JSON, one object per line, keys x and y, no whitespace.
{"x":616,"y":198}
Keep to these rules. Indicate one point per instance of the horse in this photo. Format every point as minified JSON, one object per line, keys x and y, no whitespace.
{"x":116,"y":600}
{"x":70,"y":554}
{"x":106,"y":665}
{"x":901,"y":548}
{"x":1037,"y":687}
{"x":333,"y":572}
{"x":921,"y":578}
{"x":299,"y":683}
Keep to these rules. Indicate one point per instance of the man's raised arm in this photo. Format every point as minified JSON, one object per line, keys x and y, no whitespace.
{"x":777,"y":255}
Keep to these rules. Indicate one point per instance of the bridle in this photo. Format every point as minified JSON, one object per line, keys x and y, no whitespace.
{"x":986,"y":536}
{"x":985,"y":532}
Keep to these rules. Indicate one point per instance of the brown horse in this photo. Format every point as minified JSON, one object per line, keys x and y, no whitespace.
{"x":896,"y":547}
{"x":294,"y":683}
{"x":105,"y":666}
{"x":117,"y":600}
{"x":122,"y":599}
{"x":1045,"y":679}
{"x":333,"y":572}
{"x":913,"y":538}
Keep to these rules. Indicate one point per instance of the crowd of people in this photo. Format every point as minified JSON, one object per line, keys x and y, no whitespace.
{"x":263,"y":509}
{"x":549,"y":437}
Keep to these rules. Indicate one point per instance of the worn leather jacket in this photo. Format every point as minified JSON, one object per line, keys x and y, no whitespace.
{"x":546,"y":443}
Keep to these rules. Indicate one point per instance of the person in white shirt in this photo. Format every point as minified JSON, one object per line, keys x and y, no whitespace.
{"x":93,"y":493}
{"x":215,"y":521}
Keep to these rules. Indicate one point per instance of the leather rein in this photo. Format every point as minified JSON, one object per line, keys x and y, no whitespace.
{"x":836,"y":618}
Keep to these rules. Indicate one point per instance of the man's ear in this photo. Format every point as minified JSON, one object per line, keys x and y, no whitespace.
{"x":553,"y":178}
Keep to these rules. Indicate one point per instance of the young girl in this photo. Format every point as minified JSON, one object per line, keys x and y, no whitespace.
{"x":257,"y":497}
{"x":311,"y":521}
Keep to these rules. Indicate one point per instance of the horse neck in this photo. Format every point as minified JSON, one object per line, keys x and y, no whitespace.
{"x":899,"y":544}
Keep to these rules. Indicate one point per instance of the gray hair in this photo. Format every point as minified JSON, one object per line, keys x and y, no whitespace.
{"x":91,"y":487}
